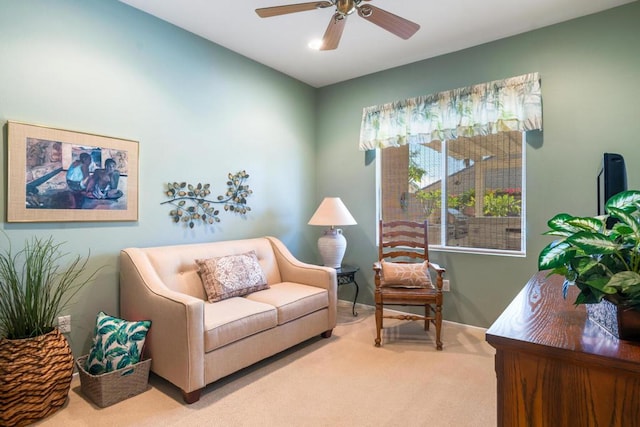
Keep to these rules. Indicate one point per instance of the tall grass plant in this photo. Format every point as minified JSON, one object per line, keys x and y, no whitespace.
{"x":35,"y":287}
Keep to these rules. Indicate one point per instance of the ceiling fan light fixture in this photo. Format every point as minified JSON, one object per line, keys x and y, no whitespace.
{"x":315,"y":44}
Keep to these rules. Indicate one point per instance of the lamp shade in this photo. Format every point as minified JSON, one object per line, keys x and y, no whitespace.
{"x":332,"y":212}
{"x":332,"y":245}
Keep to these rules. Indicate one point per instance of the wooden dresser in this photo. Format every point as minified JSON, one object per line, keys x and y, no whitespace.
{"x":557,"y":368}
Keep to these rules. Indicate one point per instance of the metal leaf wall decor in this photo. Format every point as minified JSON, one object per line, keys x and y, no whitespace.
{"x":191,"y":203}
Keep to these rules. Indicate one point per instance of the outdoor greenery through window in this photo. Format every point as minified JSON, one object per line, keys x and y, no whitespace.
{"x":469,"y":189}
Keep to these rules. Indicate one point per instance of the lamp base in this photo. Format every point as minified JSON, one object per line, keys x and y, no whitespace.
{"x":332,"y":246}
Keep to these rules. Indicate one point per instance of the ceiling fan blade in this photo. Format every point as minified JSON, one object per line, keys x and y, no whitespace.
{"x":267,"y":12}
{"x":332,"y":36}
{"x":393,"y":23}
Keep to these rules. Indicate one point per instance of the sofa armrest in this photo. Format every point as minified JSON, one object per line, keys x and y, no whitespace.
{"x":294,"y":270}
{"x":176,"y":338}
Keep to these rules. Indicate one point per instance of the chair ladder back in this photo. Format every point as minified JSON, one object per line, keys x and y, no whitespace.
{"x":403,"y":239}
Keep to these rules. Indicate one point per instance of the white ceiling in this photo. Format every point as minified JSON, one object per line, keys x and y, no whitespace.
{"x":280,"y":42}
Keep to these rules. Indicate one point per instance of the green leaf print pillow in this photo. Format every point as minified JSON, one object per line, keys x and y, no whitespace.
{"x":117,"y":344}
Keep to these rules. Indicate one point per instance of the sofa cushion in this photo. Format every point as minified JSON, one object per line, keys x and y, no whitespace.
{"x":234,"y":319}
{"x":292,"y":300}
{"x":231,"y":276}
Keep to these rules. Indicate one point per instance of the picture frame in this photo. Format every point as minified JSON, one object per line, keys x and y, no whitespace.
{"x":57,"y":175}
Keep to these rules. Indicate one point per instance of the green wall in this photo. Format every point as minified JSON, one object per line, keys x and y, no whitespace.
{"x":589,"y":68}
{"x":199,"y":111}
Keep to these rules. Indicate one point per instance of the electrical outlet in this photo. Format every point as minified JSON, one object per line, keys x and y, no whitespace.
{"x":64,"y":324}
{"x":445,"y":285}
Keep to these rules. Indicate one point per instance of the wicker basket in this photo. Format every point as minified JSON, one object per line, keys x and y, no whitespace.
{"x":113,"y":387}
{"x":35,"y":377}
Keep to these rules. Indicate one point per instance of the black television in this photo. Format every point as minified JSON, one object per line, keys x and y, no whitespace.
{"x":612,"y":179}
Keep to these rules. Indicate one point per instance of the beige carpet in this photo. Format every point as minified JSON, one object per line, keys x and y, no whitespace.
{"x":341,"y":381}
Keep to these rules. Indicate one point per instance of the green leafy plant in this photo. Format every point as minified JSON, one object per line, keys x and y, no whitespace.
{"x":415,"y":172}
{"x":602,"y":262}
{"x":467,"y":199}
{"x":35,"y":288}
{"x":192,"y":205}
{"x":501,"y":204}
{"x":431,"y":200}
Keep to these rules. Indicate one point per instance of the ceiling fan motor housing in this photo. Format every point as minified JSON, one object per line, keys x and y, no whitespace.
{"x":346,"y":7}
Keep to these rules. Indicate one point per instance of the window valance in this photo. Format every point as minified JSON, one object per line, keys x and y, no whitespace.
{"x":513,"y":104}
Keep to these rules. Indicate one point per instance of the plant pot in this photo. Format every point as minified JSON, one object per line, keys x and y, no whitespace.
{"x":35,"y":377}
{"x":621,"y":322}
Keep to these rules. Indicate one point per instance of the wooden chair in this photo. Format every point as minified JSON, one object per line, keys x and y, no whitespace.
{"x":403,"y":254}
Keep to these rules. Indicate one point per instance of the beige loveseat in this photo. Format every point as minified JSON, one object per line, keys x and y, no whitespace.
{"x":193,"y":342}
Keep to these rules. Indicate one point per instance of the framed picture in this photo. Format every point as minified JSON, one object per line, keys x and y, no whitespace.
{"x":59,"y":175}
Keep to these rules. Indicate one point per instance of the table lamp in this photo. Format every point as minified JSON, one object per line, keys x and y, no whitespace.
{"x":332,"y":244}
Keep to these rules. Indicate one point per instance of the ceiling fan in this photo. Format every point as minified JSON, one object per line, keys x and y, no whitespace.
{"x":401,"y":27}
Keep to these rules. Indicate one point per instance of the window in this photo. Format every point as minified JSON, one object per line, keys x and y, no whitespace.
{"x":456,"y":158}
{"x":471,"y":190}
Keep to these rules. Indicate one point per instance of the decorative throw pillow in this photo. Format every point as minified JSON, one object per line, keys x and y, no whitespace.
{"x":231,"y":276}
{"x":117,"y":344}
{"x":408,"y":275}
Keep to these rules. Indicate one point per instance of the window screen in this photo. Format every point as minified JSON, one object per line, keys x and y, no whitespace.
{"x":469,"y":189}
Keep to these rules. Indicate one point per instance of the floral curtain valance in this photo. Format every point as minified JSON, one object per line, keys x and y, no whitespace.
{"x":513,"y":104}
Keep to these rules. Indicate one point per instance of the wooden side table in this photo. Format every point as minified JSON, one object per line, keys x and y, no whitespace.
{"x":346,"y":274}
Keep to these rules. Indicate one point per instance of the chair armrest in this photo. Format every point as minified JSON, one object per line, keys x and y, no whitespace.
{"x":439,"y":271}
{"x":176,"y":338}
{"x":377,"y":274}
{"x":437,"y":268}
{"x":293,"y":270}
